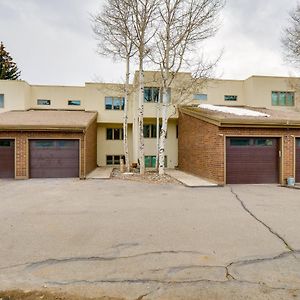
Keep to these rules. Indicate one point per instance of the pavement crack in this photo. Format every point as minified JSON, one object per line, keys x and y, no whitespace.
{"x":276,"y":234}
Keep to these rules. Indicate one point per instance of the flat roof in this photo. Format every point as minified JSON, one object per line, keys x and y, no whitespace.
{"x":276,"y":118}
{"x":46,"y":120}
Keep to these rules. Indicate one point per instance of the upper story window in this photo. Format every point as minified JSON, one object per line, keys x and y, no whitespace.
{"x":1,"y":100}
{"x":230,"y":98}
{"x":74,"y":102}
{"x":151,"y":94}
{"x":283,"y":98}
{"x":200,"y":97}
{"x":43,"y":102}
{"x":114,"y":103}
{"x":114,"y":133}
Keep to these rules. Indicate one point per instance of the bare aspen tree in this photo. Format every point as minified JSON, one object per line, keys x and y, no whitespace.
{"x":291,"y":39}
{"x":115,"y":32}
{"x":144,"y":14}
{"x":182,"y":25}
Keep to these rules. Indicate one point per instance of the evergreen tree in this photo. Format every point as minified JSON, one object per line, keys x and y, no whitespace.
{"x":8,"y":68}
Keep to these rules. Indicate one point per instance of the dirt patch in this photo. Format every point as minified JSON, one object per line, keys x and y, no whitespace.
{"x":148,"y":177}
{"x":40,"y":295}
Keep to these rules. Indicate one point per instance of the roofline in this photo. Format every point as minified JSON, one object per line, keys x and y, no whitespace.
{"x":221,"y":122}
{"x":41,"y":128}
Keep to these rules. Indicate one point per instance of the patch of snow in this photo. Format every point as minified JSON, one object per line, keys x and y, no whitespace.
{"x":234,"y":110}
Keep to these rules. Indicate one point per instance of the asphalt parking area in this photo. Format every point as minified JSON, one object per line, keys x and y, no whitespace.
{"x":129,"y":239}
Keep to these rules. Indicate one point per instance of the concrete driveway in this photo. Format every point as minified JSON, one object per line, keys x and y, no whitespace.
{"x":141,"y":241}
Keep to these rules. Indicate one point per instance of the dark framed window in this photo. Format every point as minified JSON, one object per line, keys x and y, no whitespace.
{"x":150,"y":161}
{"x":151,"y":94}
{"x":114,"y":103}
{"x":1,"y":100}
{"x":150,"y":131}
{"x":44,"y":144}
{"x":112,"y":160}
{"x":5,"y":143}
{"x":283,"y":98}
{"x":230,"y":98}
{"x":114,"y":133}
{"x":200,"y":97}
{"x":43,"y":102}
{"x":259,"y":142}
{"x":74,"y":102}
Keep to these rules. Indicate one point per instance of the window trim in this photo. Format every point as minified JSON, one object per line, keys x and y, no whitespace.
{"x":2,"y":97}
{"x":113,"y":134}
{"x":152,"y":94}
{"x":278,"y":94}
{"x":72,"y":102}
{"x":47,"y":102}
{"x":113,"y":99}
{"x":231,"y":98}
{"x":121,"y":156}
{"x":197,"y":97}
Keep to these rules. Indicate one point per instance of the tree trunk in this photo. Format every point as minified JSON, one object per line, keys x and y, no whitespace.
{"x":157,"y":136}
{"x":141,"y":117}
{"x":125,"y":122}
{"x":163,"y":132}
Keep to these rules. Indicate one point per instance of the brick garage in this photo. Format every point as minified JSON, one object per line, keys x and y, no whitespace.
{"x":203,"y":135}
{"x":23,"y":127}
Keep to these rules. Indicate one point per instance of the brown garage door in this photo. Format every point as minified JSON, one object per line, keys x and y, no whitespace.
{"x":54,"y":158}
{"x":7,"y":159}
{"x":297,"y":160}
{"x":252,"y":160}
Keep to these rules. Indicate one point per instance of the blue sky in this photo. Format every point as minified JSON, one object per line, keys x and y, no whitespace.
{"x":53,"y":43}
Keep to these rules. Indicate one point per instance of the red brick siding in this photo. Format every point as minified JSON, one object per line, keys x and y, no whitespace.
{"x":202,"y":145}
{"x":22,"y":147}
{"x":91,"y":148}
{"x":200,"y":148}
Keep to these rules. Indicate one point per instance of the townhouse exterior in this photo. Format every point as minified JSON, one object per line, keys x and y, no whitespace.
{"x":38,"y":120}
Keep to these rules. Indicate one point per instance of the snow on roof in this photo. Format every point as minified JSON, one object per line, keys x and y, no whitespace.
{"x":234,"y":110}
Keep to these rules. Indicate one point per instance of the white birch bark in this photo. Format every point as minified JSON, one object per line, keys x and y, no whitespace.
{"x":141,"y":118}
{"x":125,"y":121}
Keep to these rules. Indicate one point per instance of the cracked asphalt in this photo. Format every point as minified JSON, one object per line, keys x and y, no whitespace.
{"x":133,"y":240}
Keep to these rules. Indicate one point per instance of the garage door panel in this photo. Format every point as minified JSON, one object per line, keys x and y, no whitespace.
{"x":252,"y":160}
{"x":7,"y":159}
{"x":54,"y":158}
{"x":298,"y":160}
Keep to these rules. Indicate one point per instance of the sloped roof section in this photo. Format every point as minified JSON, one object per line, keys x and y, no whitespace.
{"x":46,"y":120}
{"x":261,"y":117}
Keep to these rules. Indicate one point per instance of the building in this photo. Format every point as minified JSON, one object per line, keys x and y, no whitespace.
{"x":94,"y":115}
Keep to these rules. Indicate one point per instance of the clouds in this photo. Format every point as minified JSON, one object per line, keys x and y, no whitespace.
{"x":53,"y":43}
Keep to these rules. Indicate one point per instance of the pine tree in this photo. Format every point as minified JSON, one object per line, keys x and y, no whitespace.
{"x":8,"y":68}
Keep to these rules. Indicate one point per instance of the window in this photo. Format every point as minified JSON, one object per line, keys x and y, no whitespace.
{"x":230,"y":98}
{"x":150,"y":161}
{"x":114,"y":103}
{"x":43,"y":102}
{"x":239,"y":142}
{"x":114,"y":133}
{"x":44,"y":144}
{"x":151,"y":94}
{"x":283,"y":98}
{"x":114,"y":159}
{"x":74,"y":102}
{"x":177,"y":131}
{"x":200,"y":97}
{"x":261,"y":142}
{"x":150,"y":131}
{"x":4,"y":143}
{"x":1,"y":100}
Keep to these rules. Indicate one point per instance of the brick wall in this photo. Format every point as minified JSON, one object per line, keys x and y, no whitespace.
{"x":91,"y":148}
{"x":202,"y":147}
{"x":22,"y":148}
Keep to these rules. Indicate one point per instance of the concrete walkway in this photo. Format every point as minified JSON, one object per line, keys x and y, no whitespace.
{"x":100,"y":173}
{"x":189,"y":180}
